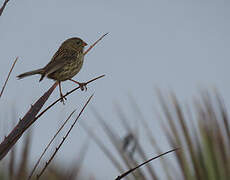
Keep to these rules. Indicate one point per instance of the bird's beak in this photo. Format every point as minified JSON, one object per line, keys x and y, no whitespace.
{"x":84,"y":43}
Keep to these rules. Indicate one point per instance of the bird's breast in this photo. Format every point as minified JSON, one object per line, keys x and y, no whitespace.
{"x":69,"y":69}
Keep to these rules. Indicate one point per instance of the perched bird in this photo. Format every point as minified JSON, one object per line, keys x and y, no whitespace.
{"x":64,"y":65}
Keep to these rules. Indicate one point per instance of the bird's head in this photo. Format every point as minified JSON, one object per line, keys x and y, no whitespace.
{"x":74,"y":43}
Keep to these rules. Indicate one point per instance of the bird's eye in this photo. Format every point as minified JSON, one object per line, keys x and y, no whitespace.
{"x":78,"y":42}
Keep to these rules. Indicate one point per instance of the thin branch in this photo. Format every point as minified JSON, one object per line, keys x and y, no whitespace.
{"x":3,"y":6}
{"x":95,"y":43}
{"x":133,"y":169}
{"x":38,"y":161}
{"x":64,"y":138}
{"x":8,"y":76}
{"x":68,"y":93}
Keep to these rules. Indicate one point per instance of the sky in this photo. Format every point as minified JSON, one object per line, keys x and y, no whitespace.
{"x":180,"y":46}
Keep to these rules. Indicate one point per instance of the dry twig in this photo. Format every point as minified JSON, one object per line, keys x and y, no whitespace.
{"x":63,"y":139}
{"x":95,"y":43}
{"x":133,"y":169}
{"x":68,"y":93}
{"x":3,"y":6}
{"x":39,"y":159}
{"x":8,"y":76}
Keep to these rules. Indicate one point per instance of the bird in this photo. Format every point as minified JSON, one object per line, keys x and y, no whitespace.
{"x":64,"y":65}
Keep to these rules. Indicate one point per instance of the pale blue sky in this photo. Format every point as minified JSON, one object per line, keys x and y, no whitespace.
{"x":174,"y":45}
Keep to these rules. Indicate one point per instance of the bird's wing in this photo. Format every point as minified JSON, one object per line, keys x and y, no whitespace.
{"x":60,"y":58}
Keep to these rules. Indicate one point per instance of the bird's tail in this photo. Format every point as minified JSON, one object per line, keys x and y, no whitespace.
{"x":38,"y":71}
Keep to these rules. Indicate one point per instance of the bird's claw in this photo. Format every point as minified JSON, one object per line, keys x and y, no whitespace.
{"x":63,"y":99}
{"x":83,"y":86}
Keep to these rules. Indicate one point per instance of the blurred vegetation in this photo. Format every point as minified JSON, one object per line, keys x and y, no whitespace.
{"x":201,"y":130}
{"x":203,"y":133}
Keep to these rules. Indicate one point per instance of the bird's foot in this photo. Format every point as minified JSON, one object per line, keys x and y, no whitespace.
{"x":63,"y":99}
{"x":83,"y":86}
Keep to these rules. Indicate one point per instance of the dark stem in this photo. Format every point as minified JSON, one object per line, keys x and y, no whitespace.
{"x":8,"y":76}
{"x":64,"y":138}
{"x":133,"y":169}
{"x":95,"y":43}
{"x":3,"y":6}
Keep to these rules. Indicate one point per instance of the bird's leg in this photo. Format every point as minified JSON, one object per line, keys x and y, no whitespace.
{"x":81,"y":85}
{"x":61,"y":95}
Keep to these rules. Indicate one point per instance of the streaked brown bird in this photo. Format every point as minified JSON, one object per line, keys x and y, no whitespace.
{"x":64,"y":65}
